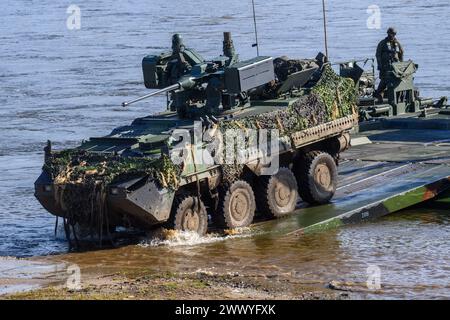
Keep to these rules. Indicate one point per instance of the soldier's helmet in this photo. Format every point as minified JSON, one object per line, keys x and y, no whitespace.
{"x":177,"y":43}
{"x":391,"y":30}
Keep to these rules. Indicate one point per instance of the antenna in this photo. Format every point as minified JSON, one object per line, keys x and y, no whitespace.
{"x":325,"y":28}
{"x":256,"y":31}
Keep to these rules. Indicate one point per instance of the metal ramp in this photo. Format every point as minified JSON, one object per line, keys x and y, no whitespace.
{"x":376,"y":179}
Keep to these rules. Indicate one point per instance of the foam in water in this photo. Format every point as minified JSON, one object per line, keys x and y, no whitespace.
{"x":174,"y":238}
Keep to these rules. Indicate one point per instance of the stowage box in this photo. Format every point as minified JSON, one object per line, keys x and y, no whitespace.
{"x":249,"y":74}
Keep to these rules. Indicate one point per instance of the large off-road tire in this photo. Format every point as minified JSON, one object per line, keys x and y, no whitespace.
{"x":236,"y":206}
{"x":277,"y":194}
{"x":189,"y":214}
{"x":317,"y":176}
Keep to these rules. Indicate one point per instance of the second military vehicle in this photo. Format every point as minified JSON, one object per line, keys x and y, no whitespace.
{"x":149,"y":173}
{"x":401,"y":98}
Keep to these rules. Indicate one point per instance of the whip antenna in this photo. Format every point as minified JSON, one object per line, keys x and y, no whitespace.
{"x":325,"y":27}
{"x":256,"y":44}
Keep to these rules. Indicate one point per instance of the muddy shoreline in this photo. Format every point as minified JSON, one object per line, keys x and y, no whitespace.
{"x":143,"y":284}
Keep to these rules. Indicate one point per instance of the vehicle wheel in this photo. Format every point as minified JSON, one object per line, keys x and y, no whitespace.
{"x":236,"y":206}
{"x":316,"y":177}
{"x":278,"y":193}
{"x":189,"y":215}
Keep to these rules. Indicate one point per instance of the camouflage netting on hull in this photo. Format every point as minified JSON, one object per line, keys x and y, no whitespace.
{"x":337,"y":93}
{"x":81,"y":180}
{"x":333,"y":97}
{"x":78,"y":166}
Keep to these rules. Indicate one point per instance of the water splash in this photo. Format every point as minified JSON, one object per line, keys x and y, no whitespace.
{"x":175,"y":238}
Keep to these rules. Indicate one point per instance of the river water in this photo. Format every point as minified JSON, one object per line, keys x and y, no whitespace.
{"x":67,"y":85}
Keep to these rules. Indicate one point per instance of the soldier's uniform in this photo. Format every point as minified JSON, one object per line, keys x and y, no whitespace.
{"x":177,"y":65}
{"x":389,"y":50}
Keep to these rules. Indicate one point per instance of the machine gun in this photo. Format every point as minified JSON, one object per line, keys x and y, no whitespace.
{"x":207,"y":85}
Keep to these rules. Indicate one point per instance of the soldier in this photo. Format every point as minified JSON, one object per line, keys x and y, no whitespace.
{"x":389,"y":50}
{"x":178,"y":65}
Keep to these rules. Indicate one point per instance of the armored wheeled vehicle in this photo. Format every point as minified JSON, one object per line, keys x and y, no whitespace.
{"x":237,"y":138}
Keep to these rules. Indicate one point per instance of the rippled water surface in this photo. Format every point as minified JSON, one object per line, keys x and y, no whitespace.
{"x":66,"y":85}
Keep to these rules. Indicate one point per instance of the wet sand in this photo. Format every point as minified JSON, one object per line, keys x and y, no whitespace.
{"x":139,"y":285}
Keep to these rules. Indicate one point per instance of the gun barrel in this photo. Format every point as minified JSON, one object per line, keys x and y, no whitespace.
{"x":167,"y":89}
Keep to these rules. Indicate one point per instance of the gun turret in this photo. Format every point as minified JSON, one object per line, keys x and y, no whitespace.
{"x":206,"y":87}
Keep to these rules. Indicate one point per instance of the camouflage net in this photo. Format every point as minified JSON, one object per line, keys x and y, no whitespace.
{"x":79,"y":167}
{"x":81,"y":180}
{"x":333,"y":97}
{"x":337,"y":93}
{"x":306,"y":112}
